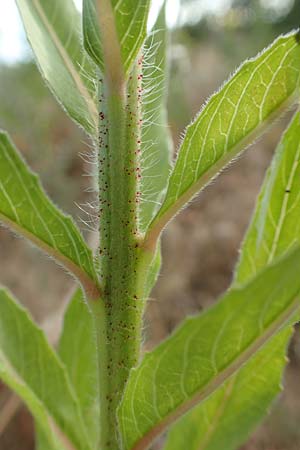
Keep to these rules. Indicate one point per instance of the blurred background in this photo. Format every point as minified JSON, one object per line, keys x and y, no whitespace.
{"x":210,"y":38}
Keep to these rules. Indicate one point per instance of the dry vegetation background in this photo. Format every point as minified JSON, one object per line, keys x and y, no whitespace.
{"x":200,"y":247}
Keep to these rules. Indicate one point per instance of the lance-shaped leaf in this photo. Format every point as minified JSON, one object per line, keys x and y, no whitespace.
{"x":54,"y":31}
{"x":275,"y":225}
{"x":30,"y":367}
{"x":231,"y":119}
{"x":226,"y":418}
{"x":156,"y":139}
{"x":129,"y":24}
{"x":206,"y":351}
{"x":26,"y":209}
{"x":78,"y":350}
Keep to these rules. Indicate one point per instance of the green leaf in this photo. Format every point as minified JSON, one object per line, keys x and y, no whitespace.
{"x":54,"y":31}
{"x":226,"y":419}
{"x":156,"y":139}
{"x":153,"y":271}
{"x":275,"y":225}
{"x":78,"y":350}
{"x":206,"y":351}
{"x":130,"y":19}
{"x":26,"y":209}
{"x":42,"y":441}
{"x":231,"y":119}
{"x":30,"y":367}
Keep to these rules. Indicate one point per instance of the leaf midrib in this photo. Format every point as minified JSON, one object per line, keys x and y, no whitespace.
{"x":68,"y":62}
{"x":52,"y":422}
{"x":160,"y":221}
{"x":219,"y":412}
{"x":282,"y":216}
{"x":223,"y":375}
{"x":88,"y":284}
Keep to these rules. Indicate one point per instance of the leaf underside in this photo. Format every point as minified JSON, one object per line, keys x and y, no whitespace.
{"x":55,"y":33}
{"x":226,"y":419}
{"x":206,"y":351}
{"x":231,"y":119}
{"x":30,"y":367}
{"x":156,"y":139}
{"x":26,"y":209}
{"x":78,"y":350}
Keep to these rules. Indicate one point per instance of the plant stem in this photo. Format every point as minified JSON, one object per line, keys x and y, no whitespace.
{"x":123,"y":268}
{"x":99,"y":315}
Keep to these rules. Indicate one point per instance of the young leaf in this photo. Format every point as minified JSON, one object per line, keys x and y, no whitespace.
{"x":29,"y":366}
{"x":274,"y":228}
{"x":206,"y":351}
{"x":78,"y":350}
{"x":156,"y":139}
{"x":129,"y":23}
{"x":26,"y":209}
{"x":231,"y":119}
{"x":54,"y":32}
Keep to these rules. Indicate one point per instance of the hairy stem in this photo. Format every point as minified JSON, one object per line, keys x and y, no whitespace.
{"x":123,"y":267}
{"x":98,"y":311}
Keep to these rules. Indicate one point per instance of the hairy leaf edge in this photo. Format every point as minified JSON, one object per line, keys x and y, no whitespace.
{"x":159,"y":222}
{"x":89,"y":284}
{"x":290,"y":314}
{"x":91,"y":106}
